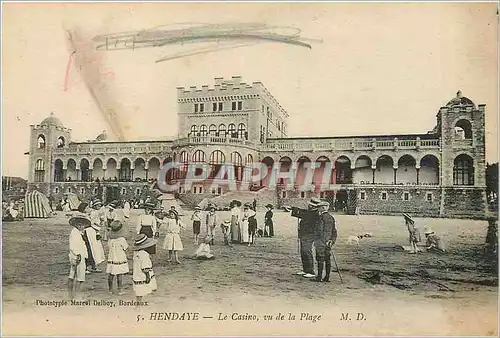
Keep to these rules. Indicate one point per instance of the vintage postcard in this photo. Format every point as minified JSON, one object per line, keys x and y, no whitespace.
{"x":249,"y":169}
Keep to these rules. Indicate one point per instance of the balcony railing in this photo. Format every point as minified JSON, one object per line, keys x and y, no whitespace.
{"x":127,"y":148}
{"x":462,"y":143}
{"x":210,"y":140}
{"x":348,"y":144}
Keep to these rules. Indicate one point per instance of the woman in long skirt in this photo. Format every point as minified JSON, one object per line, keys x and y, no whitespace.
{"x":235,"y":221}
{"x":146,"y":224}
{"x":268,"y":222}
{"x":244,"y":224}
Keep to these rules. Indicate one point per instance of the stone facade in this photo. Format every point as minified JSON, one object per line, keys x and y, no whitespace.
{"x":438,"y":173}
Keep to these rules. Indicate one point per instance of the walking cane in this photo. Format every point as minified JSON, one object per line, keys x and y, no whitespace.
{"x":337,"y":266}
{"x":298,"y":239}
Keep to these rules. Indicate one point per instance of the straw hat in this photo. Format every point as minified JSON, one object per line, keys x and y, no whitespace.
{"x":197,"y":207}
{"x":97,"y":203}
{"x":236,"y":202}
{"x":143,"y":242}
{"x":314,"y":202}
{"x":79,"y":218}
{"x":117,"y":229}
{"x":428,"y":231}
{"x":408,"y":218}
{"x":270,"y":206}
{"x":149,"y":205}
{"x":95,"y":226}
{"x":227,"y":221}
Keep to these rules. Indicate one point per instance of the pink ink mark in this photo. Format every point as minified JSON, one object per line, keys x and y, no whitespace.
{"x":109,"y":73}
{"x":66,"y":77}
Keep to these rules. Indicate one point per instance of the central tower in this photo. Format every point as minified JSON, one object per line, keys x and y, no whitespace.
{"x":231,"y":109}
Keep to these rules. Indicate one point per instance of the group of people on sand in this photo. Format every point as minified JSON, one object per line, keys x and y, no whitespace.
{"x":242,"y":228}
{"x":86,"y":251}
{"x":92,"y":226}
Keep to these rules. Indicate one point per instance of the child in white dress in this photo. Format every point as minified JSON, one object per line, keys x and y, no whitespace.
{"x":173,"y":241}
{"x":143,"y":275}
{"x":203,"y":251}
{"x":117,"y":256}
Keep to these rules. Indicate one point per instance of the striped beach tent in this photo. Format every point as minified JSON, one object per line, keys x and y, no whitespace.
{"x":36,"y":205}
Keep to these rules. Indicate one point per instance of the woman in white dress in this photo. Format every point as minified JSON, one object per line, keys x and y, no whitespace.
{"x":126,"y":209}
{"x":244,"y":224}
{"x":173,"y":241}
{"x":91,"y":233}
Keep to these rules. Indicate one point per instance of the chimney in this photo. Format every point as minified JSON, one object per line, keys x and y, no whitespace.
{"x":236,"y":80}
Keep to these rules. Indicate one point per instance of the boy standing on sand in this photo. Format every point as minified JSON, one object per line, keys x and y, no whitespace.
{"x":77,"y":253}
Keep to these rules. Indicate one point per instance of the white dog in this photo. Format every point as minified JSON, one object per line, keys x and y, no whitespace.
{"x":351,"y":240}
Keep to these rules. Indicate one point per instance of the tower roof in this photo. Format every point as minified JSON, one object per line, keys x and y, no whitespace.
{"x":52,"y":120}
{"x":460,"y":100}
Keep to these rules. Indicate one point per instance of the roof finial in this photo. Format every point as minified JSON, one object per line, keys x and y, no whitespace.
{"x":459,"y":94}
{"x":52,"y":113}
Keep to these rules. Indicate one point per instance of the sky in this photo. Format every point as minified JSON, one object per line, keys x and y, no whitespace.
{"x":380,"y":68}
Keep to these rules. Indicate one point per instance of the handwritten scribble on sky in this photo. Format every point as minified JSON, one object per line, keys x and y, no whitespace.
{"x":225,"y":36}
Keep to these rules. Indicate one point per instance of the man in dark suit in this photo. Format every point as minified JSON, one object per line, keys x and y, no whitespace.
{"x":306,"y":237}
{"x":324,"y":239}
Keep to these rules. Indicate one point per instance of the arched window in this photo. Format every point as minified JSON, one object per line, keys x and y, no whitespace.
{"x":236,"y":159}
{"x":463,"y":170}
{"x":463,"y":130}
{"x":216,"y":160}
{"x":41,"y":142}
{"x":237,"y":162}
{"x":61,"y":142}
{"x":194,"y":130}
{"x":184,"y":159}
{"x":242,"y":131}
{"x":249,"y":160}
{"x":198,"y":156}
{"x":222,"y":130}
{"x":231,"y":130}
{"x":217,"y":157}
{"x":39,"y":171}
{"x":58,"y":171}
{"x":203,"y":130}
{"x":125,"y":173}
{"x":212,"y":130}
{"x":84,"y":171}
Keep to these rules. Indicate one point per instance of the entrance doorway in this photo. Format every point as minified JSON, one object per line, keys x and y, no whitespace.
{"x":352,"y":202}
{"x":112,"y":193}
{"x":341,"y":201}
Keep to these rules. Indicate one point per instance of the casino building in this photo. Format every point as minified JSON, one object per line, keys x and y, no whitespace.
{"x":435,"y":173}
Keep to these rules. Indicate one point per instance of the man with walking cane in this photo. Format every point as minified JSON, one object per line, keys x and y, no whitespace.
{"x":308,"y":220}
{"x":325,"y":237}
